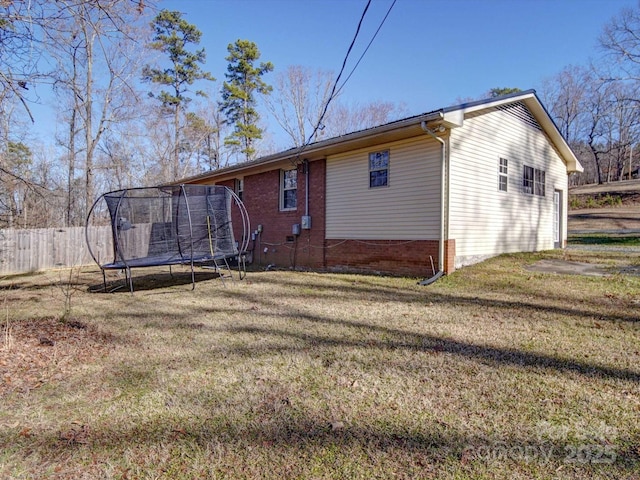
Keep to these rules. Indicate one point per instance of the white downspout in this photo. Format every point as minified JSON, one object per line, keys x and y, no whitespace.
{"x":443,"y":150}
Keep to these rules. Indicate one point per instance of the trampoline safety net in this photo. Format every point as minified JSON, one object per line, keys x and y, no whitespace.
{"x":169,"y":225}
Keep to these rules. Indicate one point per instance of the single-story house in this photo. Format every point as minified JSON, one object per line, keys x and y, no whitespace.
{"x":419,"y":196}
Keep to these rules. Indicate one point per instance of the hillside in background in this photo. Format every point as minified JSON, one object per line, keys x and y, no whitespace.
{"x":610,"y":207}
{"x":627,"y":191}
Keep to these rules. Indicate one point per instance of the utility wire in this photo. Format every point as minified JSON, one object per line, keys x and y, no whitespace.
{"x":335,"y":84}
{"x":344,"y":64}
{"x":367,"y":48}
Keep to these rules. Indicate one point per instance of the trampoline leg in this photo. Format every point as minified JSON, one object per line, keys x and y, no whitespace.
{"x":226,"y":262}
{"x":242,"y":267}
{"x":130,"y":278}
{"x":215,"y":262}
{"x":104,"y":280}
{"x":193,"y":278}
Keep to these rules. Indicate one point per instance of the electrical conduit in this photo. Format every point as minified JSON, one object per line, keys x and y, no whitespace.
{"x":443,"y":146}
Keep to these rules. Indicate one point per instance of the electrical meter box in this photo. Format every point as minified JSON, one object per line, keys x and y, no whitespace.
{"x":306,"y":222}
{"x":295,"y":229}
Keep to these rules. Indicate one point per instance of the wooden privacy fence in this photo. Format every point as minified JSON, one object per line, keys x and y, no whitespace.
{"x":42,"y":248}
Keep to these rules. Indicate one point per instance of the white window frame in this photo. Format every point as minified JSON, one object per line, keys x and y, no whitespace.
{"x":288,"y":188}
{"x":539,"y":183}
{"x":503,"y":174}
{"x":239,"y":187}
{"x":379,"y":162}
{"x":533,"y":181}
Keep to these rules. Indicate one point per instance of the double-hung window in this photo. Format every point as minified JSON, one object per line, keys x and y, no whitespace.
{"x":239,"y":187}
{"x":539,"y":182}
{"x":289,"y":189}
{"x":503,"y":171}
{"x":533,"y":181}
{"x":379,"y":169}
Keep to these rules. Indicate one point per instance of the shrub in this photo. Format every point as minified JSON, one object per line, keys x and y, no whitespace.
{"x":611,"y":201}
{"x":591,"y":203}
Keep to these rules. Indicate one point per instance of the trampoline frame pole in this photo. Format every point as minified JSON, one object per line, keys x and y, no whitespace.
{"x":186,"y":202}
{"x":127,"y":269}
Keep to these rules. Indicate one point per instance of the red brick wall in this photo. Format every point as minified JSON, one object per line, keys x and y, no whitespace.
{"x":384,"y":256}
{"x":261,"y":197}
{"x":449,"y":256}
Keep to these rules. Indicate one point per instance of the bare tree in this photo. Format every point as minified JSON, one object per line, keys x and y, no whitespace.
{"x":565,"y":94}
{"x":299,"y":96}
{"x":620,"y":40}
{"x":94,"y":45}
{"x":343,"y":118}
{"x":19,"y":22}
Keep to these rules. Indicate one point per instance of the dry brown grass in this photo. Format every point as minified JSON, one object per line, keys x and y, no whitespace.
{"x":493,"y":372}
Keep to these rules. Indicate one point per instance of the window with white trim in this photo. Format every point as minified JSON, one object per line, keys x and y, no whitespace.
{"x":533,"y":181}
{"x":503,"y":171}
{"x":239,"y":187}
{"x":289,"y":189}
{"x":379,"y":169}
{"x":539,"y":182}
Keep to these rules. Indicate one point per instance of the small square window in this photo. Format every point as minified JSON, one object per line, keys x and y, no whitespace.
{"x":289,"y":189}
{"x":379,"y":169}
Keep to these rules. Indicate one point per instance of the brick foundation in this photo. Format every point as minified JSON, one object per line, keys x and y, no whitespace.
{"x":396,"y":257}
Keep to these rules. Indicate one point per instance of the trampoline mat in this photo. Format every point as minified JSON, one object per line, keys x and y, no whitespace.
{"x":156,"y":261}
{"x":160,"y":260}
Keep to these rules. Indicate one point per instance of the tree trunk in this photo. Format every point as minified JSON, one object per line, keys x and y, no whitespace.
{"x":71,"y":166}
{"x":176,"y":143}
{"x":88,"y":127}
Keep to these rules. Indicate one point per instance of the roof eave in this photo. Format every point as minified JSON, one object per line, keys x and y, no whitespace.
{"x":391,"y":131}
{"x":530,"y":98}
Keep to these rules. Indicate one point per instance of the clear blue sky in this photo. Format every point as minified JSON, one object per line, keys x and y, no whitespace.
{"x":428,"y":54}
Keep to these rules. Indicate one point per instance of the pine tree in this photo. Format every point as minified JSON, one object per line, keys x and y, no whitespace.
{"x":238,"y":95}
{"x":172,"y":35}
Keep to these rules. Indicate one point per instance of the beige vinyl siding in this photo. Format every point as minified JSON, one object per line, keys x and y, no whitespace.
{"x":406,"y":209}
{"x":484,"y":220}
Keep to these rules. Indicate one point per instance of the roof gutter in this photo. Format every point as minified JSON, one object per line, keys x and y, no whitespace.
{"x":443,"y":152}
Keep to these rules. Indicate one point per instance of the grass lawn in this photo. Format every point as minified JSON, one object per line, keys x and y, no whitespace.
{"x":620,"y":239}
{"x":492,"y":372}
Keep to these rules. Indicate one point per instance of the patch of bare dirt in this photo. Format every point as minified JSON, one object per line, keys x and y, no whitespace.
{"x":37,"y":351}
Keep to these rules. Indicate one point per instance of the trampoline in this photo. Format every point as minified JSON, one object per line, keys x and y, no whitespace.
{"x":171,"y":225}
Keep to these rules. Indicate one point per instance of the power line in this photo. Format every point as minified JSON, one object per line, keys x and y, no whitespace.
{"x":367,"y":48}
{"x":335,"y":84}
{"x":335,"y":90}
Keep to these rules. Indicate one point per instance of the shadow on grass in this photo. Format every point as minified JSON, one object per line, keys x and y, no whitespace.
{"x":595,"y":239}
{"x":437,"y":345}
{"x":358,"y":288}
{"x":153,"y":281}
{"x":304,"y":339}
{"x":295,"y":443}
